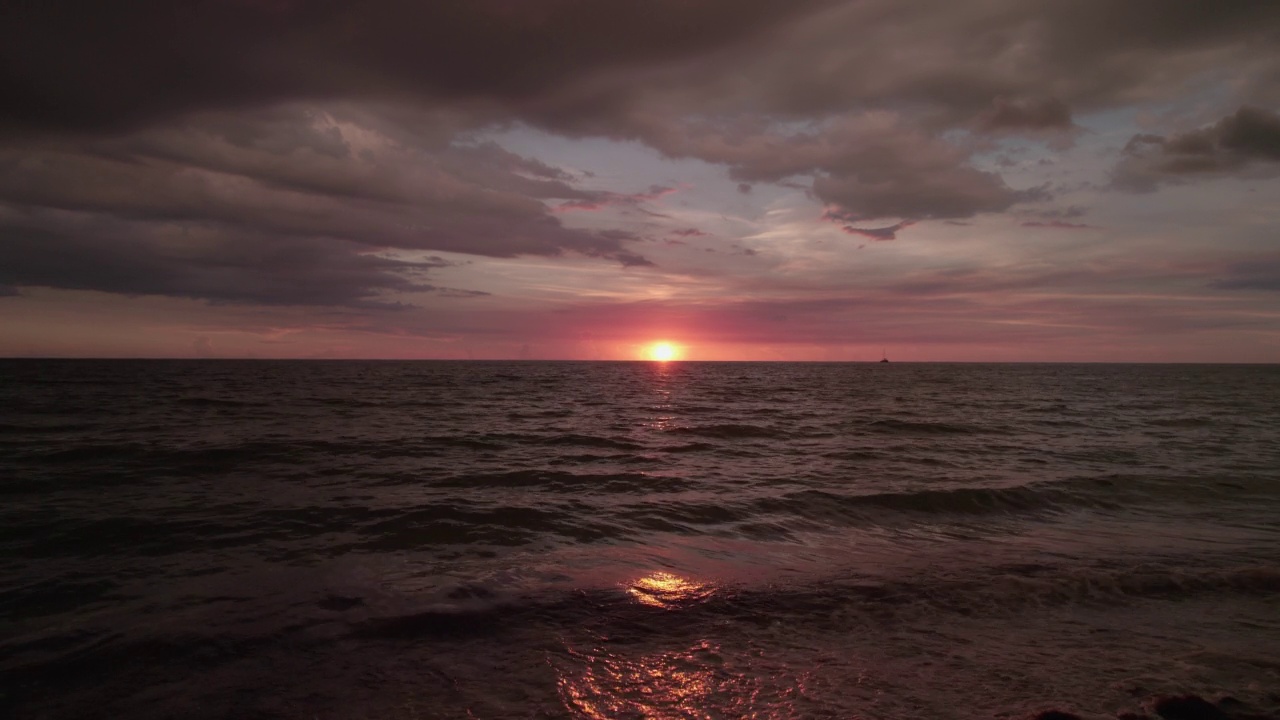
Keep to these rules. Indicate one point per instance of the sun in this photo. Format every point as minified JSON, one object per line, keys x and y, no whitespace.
{"x":663,"y":351}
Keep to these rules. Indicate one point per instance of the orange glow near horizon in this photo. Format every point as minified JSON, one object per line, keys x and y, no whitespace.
{"x":662,"y":351}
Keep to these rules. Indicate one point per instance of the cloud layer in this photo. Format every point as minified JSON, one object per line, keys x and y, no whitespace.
{"x":358,"y":155}
{"x":239,"y":190}
{"x":1246,"y":143}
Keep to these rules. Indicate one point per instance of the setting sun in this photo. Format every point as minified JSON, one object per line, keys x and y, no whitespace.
{"x":663,"y":351}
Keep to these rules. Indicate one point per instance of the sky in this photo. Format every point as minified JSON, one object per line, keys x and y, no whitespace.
{"x":935,"y":180}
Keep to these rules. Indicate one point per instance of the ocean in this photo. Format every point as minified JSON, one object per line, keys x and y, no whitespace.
{"x":333,"y":540}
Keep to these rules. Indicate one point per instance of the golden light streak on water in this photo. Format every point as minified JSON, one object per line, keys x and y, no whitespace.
{"x":699,"y":682}
{"x":666,"y":686}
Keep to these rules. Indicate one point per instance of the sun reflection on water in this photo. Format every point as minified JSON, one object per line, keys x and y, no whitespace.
{"x":668,"y":685}
{"x":668,"y":591}
{"x":698,"y":683}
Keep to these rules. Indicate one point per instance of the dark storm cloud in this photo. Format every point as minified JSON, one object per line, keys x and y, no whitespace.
{"x":957,"y":192}
{"x":597,"y":66}
{"x":577,"y":62}
{"x":350,"y":128}
{"x":128,"y":258}
{"x":1031,"y":113}
{"x":957,"y":60}
{"x":292,"y":177}
{"x":1245,"y":143}
{"x":92,"y":65}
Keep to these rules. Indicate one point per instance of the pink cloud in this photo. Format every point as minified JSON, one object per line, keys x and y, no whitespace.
{"x":1060,"y":224}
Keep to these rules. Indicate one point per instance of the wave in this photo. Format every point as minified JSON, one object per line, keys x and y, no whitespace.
{"x":50,"y":428}
{"x":146,"y":456}
{"x":890,"y":426}
{"x":819,"y":504}
{"x":346,"y":643}
{"x":831,"y":508}
{"x":1015,"y":588}
{"x":729,"y":431}
{"x":307,"y":531}
{"x":588,"y":441}
{"x":613,"y":483}
{"x":1001,"y":591}
{"x":688,"y":448}
{"x":219,"y":402}
{"x":1181,"y":422}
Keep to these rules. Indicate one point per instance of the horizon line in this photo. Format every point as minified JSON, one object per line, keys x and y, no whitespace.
{"x":178,"y":358}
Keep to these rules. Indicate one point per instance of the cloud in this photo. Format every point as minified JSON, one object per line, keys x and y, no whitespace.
{"x":78,"y":251}
{"x":336,"y":182}
{"x":601,"y":200}
{"x":1071,"y":211}
{"x":1059,"y":224}
{"x":1026,"y":113}
{"x":641,"y":69}
{"x":869,"y":165}
{"x":380,"y":192}
{"x":689,"y":232}
{"x":629,"y":259}
{"x":1244,"y":143}
{"x":299,"y":152}
{"x":1012,"y":66}
{"x":595,"y":67}
{"x":88,"y":67}
{"x":905,"y":191}
{"x":881,"y":233}
{"x":1261,"y":274}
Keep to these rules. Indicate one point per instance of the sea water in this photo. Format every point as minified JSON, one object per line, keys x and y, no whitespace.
{"x":213,"y":539}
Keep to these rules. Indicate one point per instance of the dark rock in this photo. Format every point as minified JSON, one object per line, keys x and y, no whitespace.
{"x":1188,"y":707}
{"x":1056,"y":715}
{"x":1132,"y":716}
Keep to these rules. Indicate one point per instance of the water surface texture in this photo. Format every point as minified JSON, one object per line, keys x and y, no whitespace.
{"x":634,"y":540}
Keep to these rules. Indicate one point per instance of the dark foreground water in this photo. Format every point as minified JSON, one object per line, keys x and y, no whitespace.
{"x":634,"y":540}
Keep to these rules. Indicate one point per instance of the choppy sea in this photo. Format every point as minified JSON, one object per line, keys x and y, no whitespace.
{"x":240,"y":539}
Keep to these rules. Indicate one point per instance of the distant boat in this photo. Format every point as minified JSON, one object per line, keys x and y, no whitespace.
{"x":883,"y":356}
